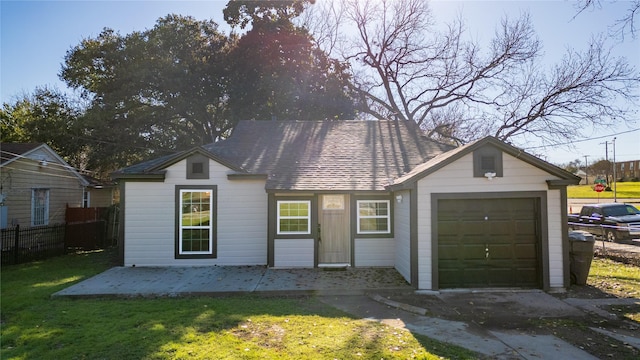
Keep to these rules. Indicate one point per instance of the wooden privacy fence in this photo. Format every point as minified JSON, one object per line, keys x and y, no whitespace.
{"x":103,"y":234}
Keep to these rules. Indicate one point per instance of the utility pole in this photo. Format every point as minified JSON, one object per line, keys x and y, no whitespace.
{"x":586,"y":176}
{"x":615,"y":195}
{"x":606,"y":157}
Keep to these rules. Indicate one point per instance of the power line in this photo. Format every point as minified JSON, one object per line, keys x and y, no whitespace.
{"x":49,"y":163}
{"x":581,"y":140}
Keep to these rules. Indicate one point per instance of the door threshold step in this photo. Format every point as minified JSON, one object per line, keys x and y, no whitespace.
{"x":334,"y":267}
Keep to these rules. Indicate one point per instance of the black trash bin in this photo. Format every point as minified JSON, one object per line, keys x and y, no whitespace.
{"x":580,"y":256}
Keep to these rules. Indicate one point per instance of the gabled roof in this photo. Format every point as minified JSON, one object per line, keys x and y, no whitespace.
{"x":328,"y":155}
{"x":155,"y":168}
{"x":447,"y":158}
{"x":10,"y":152}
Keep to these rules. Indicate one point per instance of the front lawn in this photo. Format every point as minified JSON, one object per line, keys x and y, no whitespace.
{"x":36,"y":326}
{"x":624,"y":190}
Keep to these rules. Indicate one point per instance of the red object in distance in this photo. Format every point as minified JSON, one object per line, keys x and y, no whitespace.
{"x":598,"y":188}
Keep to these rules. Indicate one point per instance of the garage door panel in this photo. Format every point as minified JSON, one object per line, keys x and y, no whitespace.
{"x":448,"y":252}
{"x":500,"y":251}
{"x":525,"y":251}
{"x":473,"y":252}
{"x":493,"y":243}
{"x":525,"y":227}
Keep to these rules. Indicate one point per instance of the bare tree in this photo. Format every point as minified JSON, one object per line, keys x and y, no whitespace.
{"x":579,"y":91}
{"x":406,"y":68}
{"x":624,"y":24}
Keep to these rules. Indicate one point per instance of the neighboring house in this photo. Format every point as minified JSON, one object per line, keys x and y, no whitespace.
{"x":352,"y":193}
{"x":583,"y":176}
{"x":628,"y":170}
{"x":99,"y":193}
{"x":36,"y":186}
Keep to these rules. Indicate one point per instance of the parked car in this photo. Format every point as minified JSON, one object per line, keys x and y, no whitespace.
{"x":612,"y":221}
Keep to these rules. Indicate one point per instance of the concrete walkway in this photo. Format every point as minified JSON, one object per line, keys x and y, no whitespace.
{"x":355,"y":291}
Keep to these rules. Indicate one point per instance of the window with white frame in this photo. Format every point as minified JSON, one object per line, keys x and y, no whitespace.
{"x":39,"y":207}
{"x":86,"y":199}
{"x":294,"y":217}
{"x":196,"y":222}
{"x":374,"y":217}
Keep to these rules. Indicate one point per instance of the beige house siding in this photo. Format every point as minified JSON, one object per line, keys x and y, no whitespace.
{"x":100,"y":197}
{"x":241,"y":223}
{"x":457,"y":177}
{"x":21,"y":176}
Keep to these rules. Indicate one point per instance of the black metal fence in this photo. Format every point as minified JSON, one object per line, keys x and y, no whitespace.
{"x":28,"y":244}
{"x":24,"y":245}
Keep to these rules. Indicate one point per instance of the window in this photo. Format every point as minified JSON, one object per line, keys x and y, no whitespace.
{"x":196,"y":222}
{"x":294,"y":217}
{"x":197,"y":167}
{"x":487,"y":159}
{"x":488,"y":164}
{"x":374,"y":217}
{"x":86,"y":199}
{"x":39,"y":207}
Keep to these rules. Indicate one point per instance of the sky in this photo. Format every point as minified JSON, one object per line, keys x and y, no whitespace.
{"x":35,"y":36}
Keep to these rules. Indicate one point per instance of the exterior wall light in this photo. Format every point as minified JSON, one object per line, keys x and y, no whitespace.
{"x":399,"y":198}
{"x":490,"y":175}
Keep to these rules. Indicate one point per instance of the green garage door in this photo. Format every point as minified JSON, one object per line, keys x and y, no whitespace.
{"x":488,"y":243}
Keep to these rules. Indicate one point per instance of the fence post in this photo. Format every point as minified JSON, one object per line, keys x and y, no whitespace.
{"x":15,"y":244}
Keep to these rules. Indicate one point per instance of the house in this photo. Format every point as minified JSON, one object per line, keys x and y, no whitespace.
{"x":36,"y":186}
{"x":627,"y":170}
{"x":352,"y":193}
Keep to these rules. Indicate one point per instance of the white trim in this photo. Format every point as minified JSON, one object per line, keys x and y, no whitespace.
{"x":308,"y":217}
{"x":388,"y":217}
{"x":209,"y":227}
{"x":86,"y":198}
{"x":44,"y":216}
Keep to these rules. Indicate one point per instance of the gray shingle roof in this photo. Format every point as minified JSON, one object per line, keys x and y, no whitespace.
{"x":10,"y":151}
{"x":327,"y":155}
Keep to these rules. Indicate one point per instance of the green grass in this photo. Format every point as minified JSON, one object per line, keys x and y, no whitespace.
{"x":617,"y":279}
{"x":36,"y":326}
{"x":624,"y":190}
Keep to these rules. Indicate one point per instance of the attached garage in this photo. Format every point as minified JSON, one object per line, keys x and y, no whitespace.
{"x":484,"y":216}
{"x":489,"y":242}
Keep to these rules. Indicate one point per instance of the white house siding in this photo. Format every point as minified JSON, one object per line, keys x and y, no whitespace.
{"x":402,"y":229}
{"x":457,"y":177}
{"x":150,"y":220}
{"x":379,"y":252}
{"x":292,"y":253}
{"x":556,"y":278}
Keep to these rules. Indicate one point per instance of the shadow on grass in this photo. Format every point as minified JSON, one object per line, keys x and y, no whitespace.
{"x":36,"y":326}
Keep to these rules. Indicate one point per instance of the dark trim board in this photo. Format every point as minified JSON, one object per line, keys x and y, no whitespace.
{"x":354,"y":217}
{"x":541,"y":203}
{"x":272,"y":219}
{"x":413,"y":237}
{"x":213,"y":220}
{"x":121,"y":218}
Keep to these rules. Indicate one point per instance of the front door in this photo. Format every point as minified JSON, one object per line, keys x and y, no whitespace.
{"x":334,"y":243}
